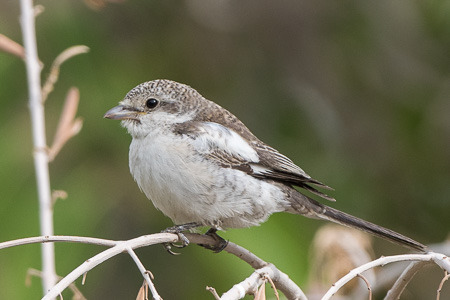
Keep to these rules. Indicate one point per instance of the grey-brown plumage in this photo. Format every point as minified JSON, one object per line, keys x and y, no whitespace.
{"x":198,"y":163}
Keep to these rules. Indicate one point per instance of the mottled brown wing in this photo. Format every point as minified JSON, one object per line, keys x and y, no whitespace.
{"x":276,"y":166}
{"x":231,"y":148}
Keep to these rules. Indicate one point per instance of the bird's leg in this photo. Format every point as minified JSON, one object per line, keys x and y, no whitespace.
{"x":178,"y":230}
{"x":220,"y":242}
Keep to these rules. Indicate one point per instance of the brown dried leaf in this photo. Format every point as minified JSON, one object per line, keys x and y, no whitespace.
{"x":143,"y":292}
{"x":38,"y":9}
{"x":58,"y":194}
{"x":99,"y":4}
{"x":261,"y":293}
{"x":9,"y":46}
{"x":68,"y":126}
{"x":335,"y":251}
{"x":272,"y":284}
{"x":83,"y":281}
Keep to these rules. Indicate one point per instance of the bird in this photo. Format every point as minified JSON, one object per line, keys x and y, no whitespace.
{"x":202,"y":167}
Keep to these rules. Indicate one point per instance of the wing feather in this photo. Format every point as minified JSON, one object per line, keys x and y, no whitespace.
{"x":226,"y":147}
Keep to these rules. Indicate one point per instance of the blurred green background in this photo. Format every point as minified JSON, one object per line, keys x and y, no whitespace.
{"x":355,"y":92}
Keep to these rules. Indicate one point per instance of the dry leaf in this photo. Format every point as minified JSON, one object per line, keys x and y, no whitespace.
{"x":272,"y":284}
{"x":58,"y":194}
{"x":98,"y":4}
{"x":9,"y":46}
{"x":261,"y":293}
{"x":335,"y":251}
{"x":68,"y":126}
{"x":143,"y":292}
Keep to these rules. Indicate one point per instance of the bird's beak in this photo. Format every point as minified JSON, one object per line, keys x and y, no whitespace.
{"x":121,"y":112}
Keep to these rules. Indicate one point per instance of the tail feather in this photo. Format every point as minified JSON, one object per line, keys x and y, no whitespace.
{"x":354,"y":222}
{"x":311,"y":208}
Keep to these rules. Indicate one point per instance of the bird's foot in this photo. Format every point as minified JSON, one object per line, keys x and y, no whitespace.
{"x":220,"y":243}
{"x":178,"y":230}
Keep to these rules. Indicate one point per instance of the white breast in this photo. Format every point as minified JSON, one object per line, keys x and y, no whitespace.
{"x":188,"y":188}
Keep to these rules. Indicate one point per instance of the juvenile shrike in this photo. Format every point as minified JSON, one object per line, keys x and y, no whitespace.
{"x":199,"y":164}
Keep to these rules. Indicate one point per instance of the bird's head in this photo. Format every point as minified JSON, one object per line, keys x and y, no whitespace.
{"x":155,"y":104}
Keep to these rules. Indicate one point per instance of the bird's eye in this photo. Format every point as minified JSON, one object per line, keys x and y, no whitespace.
{"x":151,"y":103}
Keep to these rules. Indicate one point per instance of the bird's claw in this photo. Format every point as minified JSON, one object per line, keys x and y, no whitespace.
{"x":220,"y":242}
{"x":177,"y":229}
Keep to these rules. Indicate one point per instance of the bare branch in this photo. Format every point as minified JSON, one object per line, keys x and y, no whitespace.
{"x":446,"y":277}
{"x":250,"y":285}
{"x":282,"y":281}
{"x":403,"y":280}
{"x":272,"y":284}
{"x":54,"y":71}
{"x":39,"y":140}
{"x":76,"y":292}
{"x":145,"y":274}
{"x":56,"y":238}
{"x":440,"y":259}
{"x":119,"y":247}
{"x":391,"y":273}
{"x":367,"y":284}
{"x":279,"y":279}
{"x":214,"y":292}
{"x":254,"y":261}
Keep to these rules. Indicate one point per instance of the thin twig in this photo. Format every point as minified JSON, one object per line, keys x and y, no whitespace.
{"x":446,"y":277}
{"x":391,"y":273}
{"x":144,"y":273}
{"x":58,"y":238}
{"x":119,"y":247}
{"x":273,"y":286}
{"x":403,"y":280}
{"x":250,"y":284}
{"x":39,"y":141}
{"x":214,"y":292}
{"x":54,"y":70}
{"x":247,"y":286}
{"x":280,"y":280}
{"x":254,"y":261}
{"x":367,"y":283}
{"x":440,"y":259}
{"x":76,"y":292}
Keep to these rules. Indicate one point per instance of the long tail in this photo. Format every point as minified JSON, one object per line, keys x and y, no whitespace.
{"x":306,"y":206}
